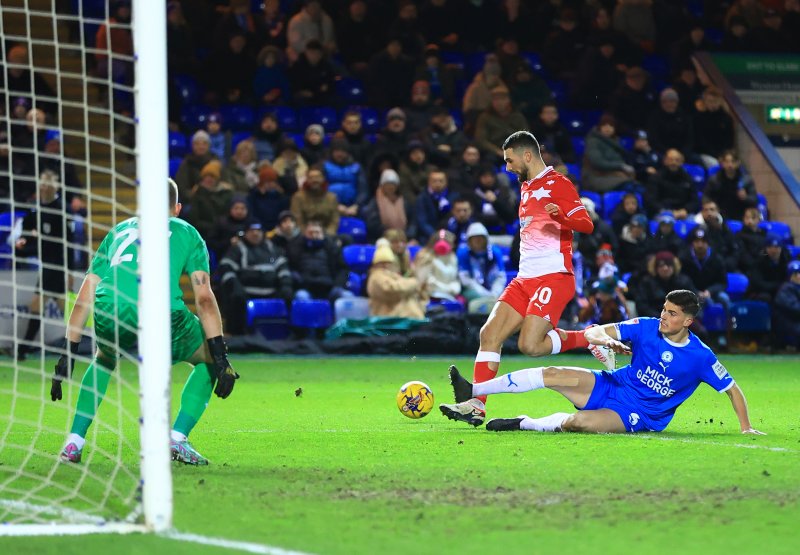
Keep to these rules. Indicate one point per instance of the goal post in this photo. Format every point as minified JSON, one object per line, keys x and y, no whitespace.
{"x":124,"y":483}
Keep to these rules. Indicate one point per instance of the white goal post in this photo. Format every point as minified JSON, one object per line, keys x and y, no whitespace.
{"x":125,"y":483}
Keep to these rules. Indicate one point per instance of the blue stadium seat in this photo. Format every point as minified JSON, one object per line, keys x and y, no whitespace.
{"x":573,"y":121}
{"x":354,"y":227}
{"x":311,"y":314}
{"x":370,"y":120}
{"x":187,"y":88}
{"x":737,"y":285}
{"x":298,"y":138}
{"x":413,"y":250}
{"x":626,"y":277}
{"x":714,"y":318}
{"x":594,"y":197}
{"x":287,"y":118}
{"x":794,"y":251}
{"x":506,"y":250}
{"x":178,"y":145}
{"x":269,"y":317}
{"x":194,"y":116}
{"x":612,"y":198}
{"x":574,"y":170}
{"x":355,"y":284}
{"x":326,"y":117}
{"x":780,"y":229}
{"x":535,"y":61}
{"x":474,"y":63}
{"x":358,"y":257}
{"x":750,"y":317}
{"x":456,"y":60}
{"x":510,"y":275}
{"x":237,"y":138}
{"x":715,"y":36}
{"x":656,"y":65}
{"x":351,"y":307}
{"x":683,"y":227}
{"x":653,"y":226}
{"x":458,"y":118}
{"x":762,"y":206}
{"x":626,"y":142}
{"x":558,"y":91}
{"x":7,"y":222}
{"x":579,"y":145}
{"x":237,"y":117}
{"x":734,"y":225}
{"x":351,"y":90}
{"x":698,"y":175}
{"x":712,"y":170}
{"x":174,"y":164}
{"x":592,"y":117}
{"x":448,"y":306}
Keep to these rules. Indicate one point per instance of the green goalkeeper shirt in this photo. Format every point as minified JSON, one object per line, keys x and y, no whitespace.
{"x":116,"y":261}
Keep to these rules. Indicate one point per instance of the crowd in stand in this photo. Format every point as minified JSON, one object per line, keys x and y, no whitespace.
{"x":272,"y":205}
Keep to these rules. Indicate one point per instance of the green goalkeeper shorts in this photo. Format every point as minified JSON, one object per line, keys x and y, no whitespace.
{"x":116,"y":327}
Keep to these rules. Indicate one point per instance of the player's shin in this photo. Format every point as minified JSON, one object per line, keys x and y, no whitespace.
{"x":550,"y":423}
{"x":194,"y":400}
{"x":564,"y":341}
{"x":486,"y":365}
{"x":520,"y":381}
{"x":93,"y":389}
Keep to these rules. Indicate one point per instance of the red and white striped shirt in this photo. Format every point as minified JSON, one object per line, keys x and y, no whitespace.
{"x":546,"y":241}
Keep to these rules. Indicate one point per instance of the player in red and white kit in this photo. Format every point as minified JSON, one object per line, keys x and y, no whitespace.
{"x":549,"y":212}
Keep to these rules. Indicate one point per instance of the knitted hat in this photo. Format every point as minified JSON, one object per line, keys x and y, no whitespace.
{"x":389,"y":176}
{"x":214,"y":167}
{"x":477,"y":229}
{"x":383,"y":254}
{"x":201,"y":136}
{"x":315,"y":128}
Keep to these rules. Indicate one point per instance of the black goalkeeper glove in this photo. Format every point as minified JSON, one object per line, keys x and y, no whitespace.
{"x":64,"y":368}
{"x":225,"y":375}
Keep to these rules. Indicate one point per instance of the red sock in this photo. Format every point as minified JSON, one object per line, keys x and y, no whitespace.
{"x":481,"y":371}
{"x":574,"y":340}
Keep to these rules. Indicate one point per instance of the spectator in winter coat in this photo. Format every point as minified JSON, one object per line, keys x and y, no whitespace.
{"x":786,"y":307}
{"x":552,"y":134}
{"x":241,"y":171}
{"x":228,"y":227}
{"x":268,"y":198}
{"x":480,"y":267}
{"x":634,"y":246}
{"x":346,"y":178}
{"x":268,"y":137}
{"x":443,"y":139}
{"x":388,"y":209}
{"x":751,"y":240}
{"x":627,"y":208}
{"x":731,"y":187}
{"x":478,"y":96}
{"x":314,"y":150}
{"x":492,"y":201}
{"x":669,"y":126}
{"x":665,"y":238}
{"x":291,"y":167}
{"x":672,"y":189}
{"x":271,"y":82}
{"x":314,"y":202}
{"x":318,"y":268}
{"x":352,"y":131}
{"x":496,"y":123}
{"x":311,"y":23}
{"x":389,"y":292}
{"x":769,"y":271}
{"x":663,"y":275}
{"x":436,"y":266}
{"x":718,"y":234}
{"x":643,"y":158}
{"x":189,"y":171}
{"x":633,"y":101}
{"x":414,"y":170}
{"x":208,"y":199}
{"x":604,"y":164}
{"x":394,"y":137}
{"x":432,"y":206}
{"x":312,"y":77}
{"x":705,"y":268}
{"x":713,"y":127}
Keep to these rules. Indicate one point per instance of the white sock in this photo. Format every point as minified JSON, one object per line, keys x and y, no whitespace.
{"x":177,"y":436}
{"x":515,"y":382}
{"x":550,"y":423}
{"x":555,"y":339}
{"x":76,"y":439}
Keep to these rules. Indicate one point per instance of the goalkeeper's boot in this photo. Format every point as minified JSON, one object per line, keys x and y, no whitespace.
{"x":605,"y":355}
{"x":462,"y":389}
{"x":472,"y":411}
{"x":505,"y":424}
{"x":71,"y":453}
{"x":182,"y":451}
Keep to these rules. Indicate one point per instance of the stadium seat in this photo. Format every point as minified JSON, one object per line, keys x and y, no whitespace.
{"x":506,"y":250}
{"x":780,"y":229}
{"x":351,"y":90}
{"x":558,"y":90}
{"x":794,"y":251}
{"x":358,"y":257}
{"x":456,"y":60}
{"x":194,"y":116}
{"x":287,"y":118}
{"x":626,"y":143}
{"x":311,"y":314}
{"x":237,"y":117}
{"x":413,"y":250}
{"x":698,"y":175}
{"x":712,"y":170}
{"x":353,"y":227}
{"x":762,"y":206}
{"x":714,"y":318}
{"x":612,"y":198}
{"x":656,"y":65}
{"x":355,"y":284}
{"x":237,"y":138}
{"x":575,"y":171}
{"x":174,"y":164}
{"x":683,"y":227}
{"x":458,"y":118}
{"x":734,"y":225}
{"x":448,"y":306}
{"x":573,"y":121}
{"x":653,"y":225}
{"x":579,"y":145}
{"x":751,"y":317}
{"x":737,"y":285}
{"x":715,"y":36}
{"x":269,"y":317}
{"x":298,"y":138}
{"x":535,"y":61}
{"x":178,"y":145}
{"x":370,"y":120}
{"x":326,"y":117}
{"x":626,"y":277}
{"x":474,"y":63}
{"x":351,"y":307}
{"x":510,"y":275}
{"x":187,"y":88}
{"x":594,"y":197}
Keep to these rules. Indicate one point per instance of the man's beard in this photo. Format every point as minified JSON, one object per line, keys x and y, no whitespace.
{"x":522,"y":175}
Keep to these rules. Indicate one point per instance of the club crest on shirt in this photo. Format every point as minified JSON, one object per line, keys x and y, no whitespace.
{"x":633,"y":419}
{"x":666,"y":356}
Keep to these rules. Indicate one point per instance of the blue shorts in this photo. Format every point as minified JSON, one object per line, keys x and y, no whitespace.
{"x":606,"y":395}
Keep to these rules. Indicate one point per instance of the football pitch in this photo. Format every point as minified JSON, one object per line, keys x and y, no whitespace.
{"x":311,"y":455}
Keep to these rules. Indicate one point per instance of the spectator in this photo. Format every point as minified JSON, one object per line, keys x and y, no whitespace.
{"x":381,"y":162}
{"x":440,"y":77}
{"x":769,"y":271}
{"x":737,"y":36}
{"x":313,"y":202}
{"x":496,"y":123}
{"x":406,"y":29}
{"x":602,"y":234}
{"x":252,"y":268}
{"x":317,"y":265}
{"x":271,"y":81}
{"x":189,"y":171}
{"x":226,"y":232}
{"x":27,"y":140}
{"x":389,"y":76}
{"x":115,"y":37}
{"x":671,"y":188}
{"x":311,"y":23}
{"x":230,"y":75}
{"x":219,"y":141}
{"x":419,"y":112}
{"x":52,"y":158}
{"x":634,"y":246}
{"x":357,"y":37}
{"x":285,"y":231}
{"x":268,"y":199}
{"x":291,"y":167}
{"x":635,"y":19}
{"x":463,"y":177}
{"x":643,"y":158}
{"x":241,"y":169}
{"x":663,"y":275}
{"x":398,"y":241}
{"x":751,"y":240}
{"x":440,"y":23}
{"x":209,"y":198}
{"x":314,"y":150}
{"x":312,"y":77}
{"x":346,"y":178}
{"x":388,"y":209}
{"x":459,"y":221}
{"x":705,"y":268}
{"x":432,"y":206}
{"x":623,"y":212}
{"x":669,"y":127}
{"x":718,"y":234}
{"x":443,"y":139}
{"x":750,"y":11}
{"x":517,"y":21}
{"x":352,"y":131}
{"x":791,"y":22}
{"x":688,"y":88}
{"x":437,"y":267}
{"x":695,"y":40}
{"x":414,"y":170}
{"x":633,"y":102}
{"x":713,"y":127}
{"x":665,"y":238}
{"x":268,"y":137}
{"x":529,"y":92}
{"x":770,"y":36}
{"x":564,"y":46}
{"x":480,"y":24}
{"x":480,"y":269}
{"x":389,"y":292}
{"x":273,"y":22}
{"x":478,"y":96}
{"x":602,"y":30}
{"x":604,"y":165}
{"x":731,"y":187}
{"x":597,"y":76}
{"x":494,"y":205}
{"x":18,"y":81}
{"x":181,"y":54}
{"x":786,"y":308}
{"x":508,"y":55}
{"x":239,"y":21}
{"x":552,"y":134}
{"x":394,"y":137}
{"x":604,"y":305}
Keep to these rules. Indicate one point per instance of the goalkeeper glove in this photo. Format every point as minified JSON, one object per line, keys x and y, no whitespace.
{"x":64,"y":368}
{"x":225,"y":375}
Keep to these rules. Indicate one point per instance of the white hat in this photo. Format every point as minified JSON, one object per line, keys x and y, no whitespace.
{"x":477,"y":229}
{"x":389,"y":176}
{"x":589,"y":204}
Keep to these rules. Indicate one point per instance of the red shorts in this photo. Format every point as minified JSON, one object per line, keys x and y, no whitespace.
{"x":544,"y":296}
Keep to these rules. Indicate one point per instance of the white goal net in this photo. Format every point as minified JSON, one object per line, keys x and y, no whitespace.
{"x":69,"y":171}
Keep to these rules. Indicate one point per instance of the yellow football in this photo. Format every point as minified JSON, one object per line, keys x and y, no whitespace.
{"x":415,"y":399}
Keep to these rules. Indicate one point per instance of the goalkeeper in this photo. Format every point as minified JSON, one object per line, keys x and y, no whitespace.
{"x":111,"y":285}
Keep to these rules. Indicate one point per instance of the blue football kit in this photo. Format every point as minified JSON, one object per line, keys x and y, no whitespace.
{"x":662,"y":375}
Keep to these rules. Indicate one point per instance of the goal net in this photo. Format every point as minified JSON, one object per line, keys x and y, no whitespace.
{"x":71,"y":84}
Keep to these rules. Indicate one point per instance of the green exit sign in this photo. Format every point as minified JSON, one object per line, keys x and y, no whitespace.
{"x":783,"y":114}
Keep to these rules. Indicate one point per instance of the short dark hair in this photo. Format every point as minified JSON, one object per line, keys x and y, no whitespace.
{"x":685,"y":299}
{"x":173,"y":193}
{"x":521,"y":139}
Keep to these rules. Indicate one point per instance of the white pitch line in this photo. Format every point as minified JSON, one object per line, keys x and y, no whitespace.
{"x":247,"y":547}
{"x":716,"y":443}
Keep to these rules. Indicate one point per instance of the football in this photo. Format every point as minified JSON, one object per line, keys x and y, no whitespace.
{"x":415,"y":399}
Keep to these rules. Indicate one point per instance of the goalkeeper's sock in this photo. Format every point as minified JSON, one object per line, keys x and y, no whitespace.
{"x":194,"y":399}
{"x":93,"y":388}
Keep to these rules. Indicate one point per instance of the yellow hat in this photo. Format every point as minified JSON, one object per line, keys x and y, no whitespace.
{"x":383,"y":254}
{"x":214,"y":167}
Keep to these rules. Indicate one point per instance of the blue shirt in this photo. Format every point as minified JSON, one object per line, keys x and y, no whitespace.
{"x":663,"y":374}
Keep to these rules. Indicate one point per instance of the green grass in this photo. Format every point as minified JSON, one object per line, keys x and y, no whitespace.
{"x":338,"y":470}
